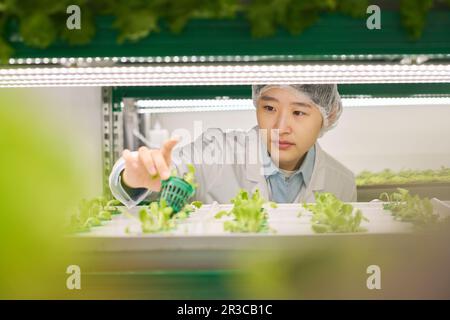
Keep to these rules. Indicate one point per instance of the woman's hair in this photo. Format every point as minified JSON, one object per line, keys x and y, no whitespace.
{"x":325,"y":96}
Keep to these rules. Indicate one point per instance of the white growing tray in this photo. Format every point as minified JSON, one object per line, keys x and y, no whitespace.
{"x":283,"y":220}
{"x":201,"y":242}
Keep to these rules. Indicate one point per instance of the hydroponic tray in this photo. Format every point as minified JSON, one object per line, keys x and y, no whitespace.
{"x":287,"y":220}
{"x":200,"y":242}
{"x":440,"y":190}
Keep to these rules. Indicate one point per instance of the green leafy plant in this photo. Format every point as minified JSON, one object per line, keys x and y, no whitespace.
{"x":388,"y":176}
{"x":42,"y":23}
{"x":92,"y":212}
{"x":414,"y":15}
{"x":188,"y":209}
{"x":409,"y":208}
{"x":249,"y":213}
{"x":331,"y":215}
{"x":293,"y":15}
{"x":159,"y":217}
{"x":111,"y":206}
{"x":189,"y":176}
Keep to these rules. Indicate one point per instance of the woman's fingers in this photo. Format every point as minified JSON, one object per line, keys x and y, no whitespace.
{"x":167,"y":148}
{"x":160,"y":164}
{"x":126,"y":154}
{"x":154,"y":161}
{"x":146,"y":159}
{"x":132,"y":175}
{"x":130,"y":159}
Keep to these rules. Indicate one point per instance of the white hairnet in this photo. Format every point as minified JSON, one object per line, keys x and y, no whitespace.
{"x":325,"y":96}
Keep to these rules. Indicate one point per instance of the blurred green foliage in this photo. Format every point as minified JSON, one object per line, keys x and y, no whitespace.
{"x":92,"y":212}
{"x":413,"y":266}
{"x":38,"y":189}
{"x":388,"y":176}
{"x":414,"y":15}
{"x":43,"y":22}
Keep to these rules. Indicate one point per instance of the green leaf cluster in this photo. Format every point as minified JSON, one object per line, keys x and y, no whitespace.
{"x":388,"y":176}
{"x":188,"y":209}
{"x":92,"y":212}
{"x":331,"y":215}
{"x":189,"y":176}
{"x":294,"y":15}
{"x":409,"y":208}
{"x":159,"y":217}
{"x":43,"y":22}
{"x":414,"y":15}
{"x":248,"y":212}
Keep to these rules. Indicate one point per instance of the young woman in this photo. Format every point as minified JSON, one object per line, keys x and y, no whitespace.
{"x":280,"y":156}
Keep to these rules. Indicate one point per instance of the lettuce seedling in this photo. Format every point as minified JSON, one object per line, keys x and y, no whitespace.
{"x":249,"y":213}
{"x":189,"y":176}
{"x":91,"y":213}
{"x":187,"y":210}
{"x":408,"y":208}
{"x":104,"y":215}
{"x":197,"y":204}
{"x":88,"y":212}
{"x":158,"y":217}
{"x":390,"y":177}
{"x":111,"y":206}
{"x":331,"y":215}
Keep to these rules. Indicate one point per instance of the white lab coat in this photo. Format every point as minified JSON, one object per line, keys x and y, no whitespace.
{"x":221,"y":182}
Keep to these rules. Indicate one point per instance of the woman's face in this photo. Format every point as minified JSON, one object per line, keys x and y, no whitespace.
{"x":293,"y":124}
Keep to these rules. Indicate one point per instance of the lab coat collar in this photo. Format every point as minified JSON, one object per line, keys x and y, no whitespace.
{"x":255,"y":171}
{"x":305,"y":170}
{"x":317,"y":182}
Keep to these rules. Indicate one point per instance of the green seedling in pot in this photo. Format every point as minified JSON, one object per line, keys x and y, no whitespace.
{"x":176,"y":191}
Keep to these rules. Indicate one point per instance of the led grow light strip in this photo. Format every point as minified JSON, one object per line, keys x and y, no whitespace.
{"x":397,"y":101}
{"x":194,"y":105}
{"x":173,"y":75}
{"x":222,"y":58}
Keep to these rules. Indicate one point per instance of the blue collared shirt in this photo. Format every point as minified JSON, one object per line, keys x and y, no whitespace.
{"x":286,"y":189}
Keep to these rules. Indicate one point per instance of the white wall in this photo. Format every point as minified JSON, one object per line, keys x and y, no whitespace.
{"x":77,"y":112}
{"x":396,"y":137}
{"x":373,"y":138}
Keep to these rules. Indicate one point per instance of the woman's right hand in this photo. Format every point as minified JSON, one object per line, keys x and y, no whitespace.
{"x":146,"y":167}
